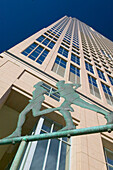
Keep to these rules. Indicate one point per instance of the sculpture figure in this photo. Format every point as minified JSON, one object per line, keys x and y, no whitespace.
{"x":71,"y":97}
{"x":67,"y":91}
{"x":34,"y":105}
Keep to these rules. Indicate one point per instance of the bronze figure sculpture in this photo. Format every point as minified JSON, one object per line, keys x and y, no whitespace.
{"x":67,"y":91}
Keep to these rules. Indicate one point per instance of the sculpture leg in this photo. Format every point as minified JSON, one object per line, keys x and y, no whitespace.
{"x":68,"y":119}
{"x":80,"y":102}
{"x":36,"y":111}
{"x":84,"y":104}
{"x":21,"y":121}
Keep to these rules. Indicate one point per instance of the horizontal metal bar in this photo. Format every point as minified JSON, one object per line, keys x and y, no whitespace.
{"x":67,"y":133}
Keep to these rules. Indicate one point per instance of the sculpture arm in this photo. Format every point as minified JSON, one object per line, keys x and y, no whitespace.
{"x":76,"y":86}
{"x":57,"y":91}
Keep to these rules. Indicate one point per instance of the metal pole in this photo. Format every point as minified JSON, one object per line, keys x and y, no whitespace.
{"x":18,"y":156}
{"x":67,"y":133}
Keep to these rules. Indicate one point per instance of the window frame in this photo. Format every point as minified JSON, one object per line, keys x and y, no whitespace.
{"x":31,"y":147}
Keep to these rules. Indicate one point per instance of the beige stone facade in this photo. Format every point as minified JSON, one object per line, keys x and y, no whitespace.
{"x":20,"y":72}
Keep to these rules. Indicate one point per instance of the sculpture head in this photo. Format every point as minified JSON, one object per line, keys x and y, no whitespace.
{"x":60,"y":83}
{"x":38,"y":84}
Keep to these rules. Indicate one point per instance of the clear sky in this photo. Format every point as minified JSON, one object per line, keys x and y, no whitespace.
{"x":21,"y":18}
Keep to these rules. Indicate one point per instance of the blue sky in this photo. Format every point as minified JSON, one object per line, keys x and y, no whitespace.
{"x":22,"y":18}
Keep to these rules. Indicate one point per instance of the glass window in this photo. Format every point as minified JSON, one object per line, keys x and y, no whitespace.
{"x":42,"y":56}
{"x":97,"y":65}
{"x":63,"y":51}
{"x":29,"y":49}
{"x":93,"y":86}
{"x":109,"y":158}
{"x":75,"y":59}
{"x":87,"y":59}
{"x":59,"y":66}
{"x":65,"y":45}
{"x":111,"y":79}
{"x":108,"y":71}
{"x":76,"y":52}
{"x":36,"y":53}
{"x":51,"y":44}
{"x":89,"y":67}
{"x":41,"y":38}
{"x":47,"y":154}
{"x":46,"y":41}
{"x":101,"y":74}
{"x":75,"y":46}
{"x":108,"y":94}
{"x":74,"y":75}
{"x":49,"y":89}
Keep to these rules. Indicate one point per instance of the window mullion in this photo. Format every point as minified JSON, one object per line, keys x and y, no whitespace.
{"x":58,"y":65}
{"x":31,"y":149}
{"x":59,"y":154}
{"x":47,"y":150}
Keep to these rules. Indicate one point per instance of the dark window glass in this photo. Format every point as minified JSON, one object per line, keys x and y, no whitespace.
{"x":75,"y":70}
{"x":41,"y":38}
{"x":101,"y":74}
{"x":111,"y":79}
{"x":89,"y":67}
{"x":75,"y":59}
{"x":51,"y":44}
{"x":63,"y":51}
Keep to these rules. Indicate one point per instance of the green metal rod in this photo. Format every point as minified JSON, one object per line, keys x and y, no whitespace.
{"x":68,"y":133}
{"x":18,"y":156}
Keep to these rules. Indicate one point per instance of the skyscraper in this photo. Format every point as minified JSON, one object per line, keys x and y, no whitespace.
{"x":66,"y":50}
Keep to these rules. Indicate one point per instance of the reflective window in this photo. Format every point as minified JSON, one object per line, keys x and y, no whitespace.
{"x":46,"y":41}
{"x":36,"y":53}
{"x":59,"y":66}
{"x":42,"y":56}
{"x":47,"y":154}
{"x":50,"y":89}
{"x":97,"y":65}
{"x":75,"y":59}
{"x":101,"y":74}
{"x":63,"y":51}
{"x":89,"y":67}
{"x":107,"y":71}
{"x":51,"y":44}
{"x":87,"y":59}
{"x":76,"y":52}
{"x":74,"y":75}
{"x":41,"y":38}
{"x":93,"y":86}
{"x":109,"y":158}
{"x":111,"y":79}
{"x":29,"y":49}
{"x":108,"y":94}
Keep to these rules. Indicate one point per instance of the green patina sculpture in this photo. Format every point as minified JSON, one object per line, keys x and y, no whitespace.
{"x":67,"y":91}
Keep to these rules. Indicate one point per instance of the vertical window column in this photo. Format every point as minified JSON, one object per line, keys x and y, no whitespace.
{"x":93,"y":86}
{"x":74,"y":75}
{"x":101,"y":74}
{"x":47,"y":154}
{"x":59,"y":66}
{"x":108,"y":94}
{"x":63,"y":51}
{"x":111,"y":79}
{"x":109,"y":158}
{"x":89,"y":67}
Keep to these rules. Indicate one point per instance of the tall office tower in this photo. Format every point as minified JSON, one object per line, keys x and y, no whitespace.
{"x":66,"y":50}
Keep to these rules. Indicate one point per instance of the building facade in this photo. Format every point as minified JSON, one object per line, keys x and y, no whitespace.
{"x":66,"y":50}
